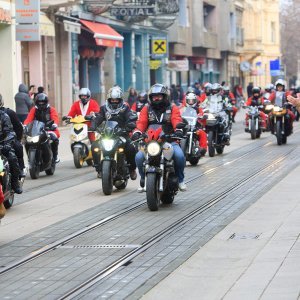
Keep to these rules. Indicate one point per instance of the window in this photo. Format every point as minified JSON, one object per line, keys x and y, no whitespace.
{"x":273,"y":32}
{"x":208,"y":18}
{"x":183,"y":14}
{"x":232,"y":26}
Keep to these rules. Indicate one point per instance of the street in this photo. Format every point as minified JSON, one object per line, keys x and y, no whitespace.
{"x":93,"y":246}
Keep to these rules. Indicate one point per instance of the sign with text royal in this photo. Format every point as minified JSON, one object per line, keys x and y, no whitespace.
{"x":27,"y":11}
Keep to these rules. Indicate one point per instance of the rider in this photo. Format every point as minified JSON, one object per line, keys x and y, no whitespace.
{"x":7,"y":138}
{"x":256,"y":100}
{"x":229,"y":98}
{"x":84,"y":106}
{"x":279,"y":98}
{"x":43,"y":112}
{"x":192,"y":101}
{"x":18,"y":129}
{"x":115,"y":109}
{"x":215,"y":103}
{"x":160,"y":111}
{"x":141,"y":101}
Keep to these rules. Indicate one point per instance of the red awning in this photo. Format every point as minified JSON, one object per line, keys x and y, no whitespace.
{"x":104,"y":35}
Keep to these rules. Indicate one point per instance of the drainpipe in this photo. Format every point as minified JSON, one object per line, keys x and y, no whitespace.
{"x":133,"y":60}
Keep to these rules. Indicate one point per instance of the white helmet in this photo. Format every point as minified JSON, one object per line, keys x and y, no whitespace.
{"x":114,"y":93}
{"x":280,"y":82}
{"x":191,"y":99}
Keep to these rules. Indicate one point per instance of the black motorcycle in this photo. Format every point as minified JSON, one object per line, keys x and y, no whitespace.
{"x":218,"y":129}
{"x":5,"y":181}
{"x":38,"y":147}
{"x":190,"y":145}
{"x":254,"y":127}
{"x":111,"y":149}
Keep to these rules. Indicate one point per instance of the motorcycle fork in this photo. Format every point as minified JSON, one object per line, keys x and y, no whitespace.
{"x":256,"y":123}
{"x":190,"y":142}
{"x":161,"y":180}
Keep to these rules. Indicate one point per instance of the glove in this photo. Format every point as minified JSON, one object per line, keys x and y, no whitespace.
{"x":6,"y":147}
{"x":66,"y":118}
{"x":179,"y":133}
{"x":136,"y":136}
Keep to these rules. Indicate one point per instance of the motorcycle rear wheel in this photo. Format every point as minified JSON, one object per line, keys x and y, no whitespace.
{"x":51,"y":170}
{"x":107,"y":177}
{"x":278,"y":132}
{"x":122,"y":186}
{"x":210,"y":140}
{"x":152,"y":193}
{"x":220,"y":149}
{"x":167,"y":198}
{"x":34,"y":170}
{"x":194,"y":161}
{"x":77,"y":158}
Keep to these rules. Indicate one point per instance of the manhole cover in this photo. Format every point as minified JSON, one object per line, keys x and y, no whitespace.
{"x":244,"y":236}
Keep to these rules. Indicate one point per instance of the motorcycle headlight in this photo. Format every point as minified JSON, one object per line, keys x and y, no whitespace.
{"x":269,"y":107}
{"x":210,"y":117}
{"x":107,"y":144}
{"x":153,"y":148}
{"x":33,"y":139}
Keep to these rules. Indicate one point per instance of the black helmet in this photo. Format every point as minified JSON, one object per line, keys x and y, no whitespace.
{"x":143,"y":97}
{"x":114,"y":101}
{"x":256,"y":90}
{"x":159,"y":89}
{"x":41,"y":101}
{"x":84,"y":95}
{"x":216,"y":88}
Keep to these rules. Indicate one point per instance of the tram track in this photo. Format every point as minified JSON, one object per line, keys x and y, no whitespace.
{"x":54,"y":245}
{"x":124,"y":260}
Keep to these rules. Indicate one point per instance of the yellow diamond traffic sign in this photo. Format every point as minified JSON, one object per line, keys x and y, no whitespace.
{"x":159,"y":46}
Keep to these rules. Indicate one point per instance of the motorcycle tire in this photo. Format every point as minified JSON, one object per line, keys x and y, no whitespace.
{"x":77,"y":158}
{"x":8,"y":203}
{"x":220,"y":149}
{"x":107,"y":177}
{"x":210,"y":141}
{"x":194,"y":161}
{"x":152,"y":192}
{"x":34,"y":171}
{"x":51,"y":170}
{"x":279,"y":132}
{"x":284,"y":139}
{"x":253,"y":130}
{"x":89,"y":162}
{"x":122,"y":186}
{"x":167,"y":197}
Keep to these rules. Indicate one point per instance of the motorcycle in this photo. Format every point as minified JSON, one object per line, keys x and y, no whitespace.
{"x":113,"y":164}
{"x":279,"y":124}
{"x":5,"y":181}
{"x":296,"y":113}
{"x":161,"y":182}
{"x":218,"y":135}
{"x":190,"y":145}
{"x":80,"y":143}
{"x":38,"y":146}
{"x":254,"y":121}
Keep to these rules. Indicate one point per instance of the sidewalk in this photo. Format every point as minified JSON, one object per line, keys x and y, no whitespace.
{"x":257,"y":256}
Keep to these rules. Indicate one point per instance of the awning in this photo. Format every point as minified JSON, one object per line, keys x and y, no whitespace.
{"x":104,"y":35}
{"x":46,"y":26}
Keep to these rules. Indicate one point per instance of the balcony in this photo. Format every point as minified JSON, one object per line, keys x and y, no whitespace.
{"x":210,"y":40}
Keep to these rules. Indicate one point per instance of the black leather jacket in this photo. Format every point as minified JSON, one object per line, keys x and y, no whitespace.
{"x":7,"y":133}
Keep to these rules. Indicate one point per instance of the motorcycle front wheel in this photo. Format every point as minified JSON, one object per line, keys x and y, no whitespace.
{"x":107,"y":177}
{"x":77,"y":157}
{"x":211,"y":147}
{"x":152,"y":193}
{"x":278,"y":132}
{"x":253,"y":129}
{"x":34,"y":170}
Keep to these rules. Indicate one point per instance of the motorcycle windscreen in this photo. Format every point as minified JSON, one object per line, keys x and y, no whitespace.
{"x":109,"y":127}
{"x":279,"y":98}
{"x":190,"y":115}
{"x":34,"y":128}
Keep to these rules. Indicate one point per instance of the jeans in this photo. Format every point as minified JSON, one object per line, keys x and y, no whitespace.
{"x":179,"y":162}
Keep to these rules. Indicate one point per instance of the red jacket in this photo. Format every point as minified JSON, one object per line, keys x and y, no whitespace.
{"x":143,"y":122}
{"x":77,"y":109}
{"x":53,"y":115}
{"x":249,"y":101}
